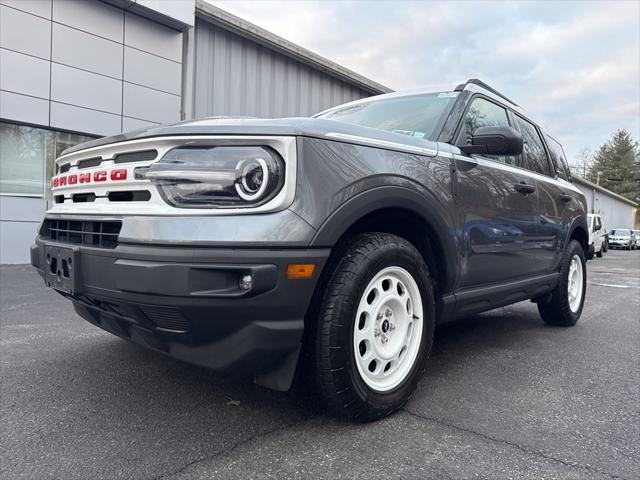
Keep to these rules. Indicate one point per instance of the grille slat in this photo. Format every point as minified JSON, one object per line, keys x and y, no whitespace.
{"x":166,"y":318}
{"x":139,"y":156}
{"x":101,"y":234}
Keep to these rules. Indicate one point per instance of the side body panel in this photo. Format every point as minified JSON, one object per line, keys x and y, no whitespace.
{"x":499,"y":223}
{"x":340,"y":183}
{"x":559,"y":203}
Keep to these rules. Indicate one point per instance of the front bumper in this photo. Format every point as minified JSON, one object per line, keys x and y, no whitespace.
{"x":619,"y":243}
{"x":187,"y":303}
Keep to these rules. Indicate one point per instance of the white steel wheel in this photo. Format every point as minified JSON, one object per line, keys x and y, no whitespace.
{"x":388,"y":329}
{"x":575,"y":283}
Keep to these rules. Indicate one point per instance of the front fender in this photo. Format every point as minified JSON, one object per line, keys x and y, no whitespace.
{"x":424,"y":206}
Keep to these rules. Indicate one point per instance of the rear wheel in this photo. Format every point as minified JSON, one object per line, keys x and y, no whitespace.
{"x":567,"y":299}
{"x":375,"y":327}
{"x":599,"y":253}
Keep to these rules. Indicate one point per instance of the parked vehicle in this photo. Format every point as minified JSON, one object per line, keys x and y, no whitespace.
{"x":330,"y":246}
{"x":622,"y":238}
{"x":597,"y":236}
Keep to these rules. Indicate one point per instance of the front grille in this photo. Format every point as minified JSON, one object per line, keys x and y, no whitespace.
{"x":101,"y":234}
{"x":166,"y":318}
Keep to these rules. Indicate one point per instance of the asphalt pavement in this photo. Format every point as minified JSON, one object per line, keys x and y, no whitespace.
{"x":504,"y":396}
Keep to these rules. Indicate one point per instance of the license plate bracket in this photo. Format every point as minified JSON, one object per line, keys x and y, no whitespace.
{"x":62,"y":267}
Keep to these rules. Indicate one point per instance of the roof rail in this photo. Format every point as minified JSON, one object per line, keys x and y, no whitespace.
{"x":481,"y":84}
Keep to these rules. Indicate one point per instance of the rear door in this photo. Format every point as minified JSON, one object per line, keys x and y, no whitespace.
{"x":555,"y":204}
{"x":496,"y":205}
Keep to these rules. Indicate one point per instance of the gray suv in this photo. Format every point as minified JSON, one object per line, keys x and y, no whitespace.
{"x":323,"y":248}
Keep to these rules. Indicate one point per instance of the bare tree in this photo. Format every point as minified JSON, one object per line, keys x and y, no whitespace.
{"x":583,"y":162}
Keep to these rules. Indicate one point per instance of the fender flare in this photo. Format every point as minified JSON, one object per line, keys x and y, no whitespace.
{"x":425,"y":206}
{"x":578,"y":222}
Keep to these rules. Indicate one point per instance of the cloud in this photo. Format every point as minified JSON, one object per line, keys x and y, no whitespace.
{"x":575,"y":66}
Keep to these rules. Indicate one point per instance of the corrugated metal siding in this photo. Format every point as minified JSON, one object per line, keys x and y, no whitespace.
{"x":615,"y":214}
{"x":235,"y":76}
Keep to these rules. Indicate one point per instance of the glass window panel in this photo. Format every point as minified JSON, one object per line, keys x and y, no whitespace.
{"x":483,"y":113}
{"x":22,"y":156}
{"x":558,"y":157}
{"x":27,"y":157}
{"x":533,"y":150}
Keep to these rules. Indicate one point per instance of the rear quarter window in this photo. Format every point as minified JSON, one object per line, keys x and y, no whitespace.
{"x":558,"y":158}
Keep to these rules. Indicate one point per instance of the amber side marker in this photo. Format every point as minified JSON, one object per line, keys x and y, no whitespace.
{"x":297,"y":271}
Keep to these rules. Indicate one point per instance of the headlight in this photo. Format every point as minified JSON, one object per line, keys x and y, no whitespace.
{"x":217,"y":176}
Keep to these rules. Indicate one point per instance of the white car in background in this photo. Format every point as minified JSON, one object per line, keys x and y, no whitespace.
{"x":622,"y":238}
{"x":597,"y":236}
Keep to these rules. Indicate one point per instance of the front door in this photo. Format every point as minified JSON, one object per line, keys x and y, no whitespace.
{"x":496,"y":205}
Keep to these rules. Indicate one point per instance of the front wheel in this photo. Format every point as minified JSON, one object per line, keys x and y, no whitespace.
{"x":375,"y":327}
{"x":599,"y":253}
{"x":567,"y":299}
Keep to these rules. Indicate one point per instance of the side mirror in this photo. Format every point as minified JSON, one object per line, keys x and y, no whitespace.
{"x":494,"y":141}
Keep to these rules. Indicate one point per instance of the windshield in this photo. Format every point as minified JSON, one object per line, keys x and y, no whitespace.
{"x":415,"y":115}
{"x":620,"y":232}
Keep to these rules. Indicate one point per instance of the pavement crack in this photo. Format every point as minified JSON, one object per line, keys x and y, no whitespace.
{"x":226,"y":451}
{"x":524,"y":449}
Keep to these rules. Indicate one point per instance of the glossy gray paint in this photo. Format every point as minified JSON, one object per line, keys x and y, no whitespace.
{"x":494,"y":243}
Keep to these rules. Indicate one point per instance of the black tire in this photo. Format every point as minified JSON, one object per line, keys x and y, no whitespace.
{"x":591,"y":252}
{"x":599,"y":254}
{"x":557,"y":311}
{"x":337,"y":380}
{"x":605,"y":246}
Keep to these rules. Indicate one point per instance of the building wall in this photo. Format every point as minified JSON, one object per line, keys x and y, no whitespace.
{"x":615,"y":213}
{"x":80,"y":66}
{"x":236,"y":76}
{"x":87,"y":67}
{"x":71,"y":69}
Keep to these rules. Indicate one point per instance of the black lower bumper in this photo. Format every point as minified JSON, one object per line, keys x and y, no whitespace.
{"x":188,"y":303}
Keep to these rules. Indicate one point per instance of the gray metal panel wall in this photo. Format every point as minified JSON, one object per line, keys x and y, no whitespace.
{"x":615,"y":213}
{"x":236,"y":76}
{"x":87,"y":66}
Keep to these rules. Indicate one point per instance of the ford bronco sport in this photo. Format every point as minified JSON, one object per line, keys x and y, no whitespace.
{"x":327,"y":246}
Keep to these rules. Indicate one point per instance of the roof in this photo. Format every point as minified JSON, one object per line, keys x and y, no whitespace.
{"x":226,"y":20}
{"x":587,"y":183}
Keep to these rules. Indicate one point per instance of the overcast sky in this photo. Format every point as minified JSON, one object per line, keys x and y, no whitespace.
{"x":575,"y":66}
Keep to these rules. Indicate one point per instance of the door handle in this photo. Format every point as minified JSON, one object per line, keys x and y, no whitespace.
{"x":524,"y":188}
{"x":564,"y":197}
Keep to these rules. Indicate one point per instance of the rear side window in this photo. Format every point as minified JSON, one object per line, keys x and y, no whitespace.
{"x":535,"y":157}
{"x":558,"y":158}
{"x":483,"y":113}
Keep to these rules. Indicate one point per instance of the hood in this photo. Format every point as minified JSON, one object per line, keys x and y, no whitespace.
{"x":309,"y":127}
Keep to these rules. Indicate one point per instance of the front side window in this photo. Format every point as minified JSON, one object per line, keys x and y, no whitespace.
{"x":27,"y":157}
{"x":535,"y":157}
{"x":483,"y":113}
{"x":414,"y":115}
{"x":558,"y":158}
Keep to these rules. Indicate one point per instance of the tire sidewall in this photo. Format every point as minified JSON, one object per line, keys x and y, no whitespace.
{"x":574,"y":249}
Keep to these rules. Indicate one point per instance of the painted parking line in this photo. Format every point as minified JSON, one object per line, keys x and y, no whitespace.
{"x":612,"y":285}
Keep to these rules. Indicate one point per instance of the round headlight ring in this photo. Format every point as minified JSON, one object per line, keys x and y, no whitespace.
{"x":242,"y":188}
